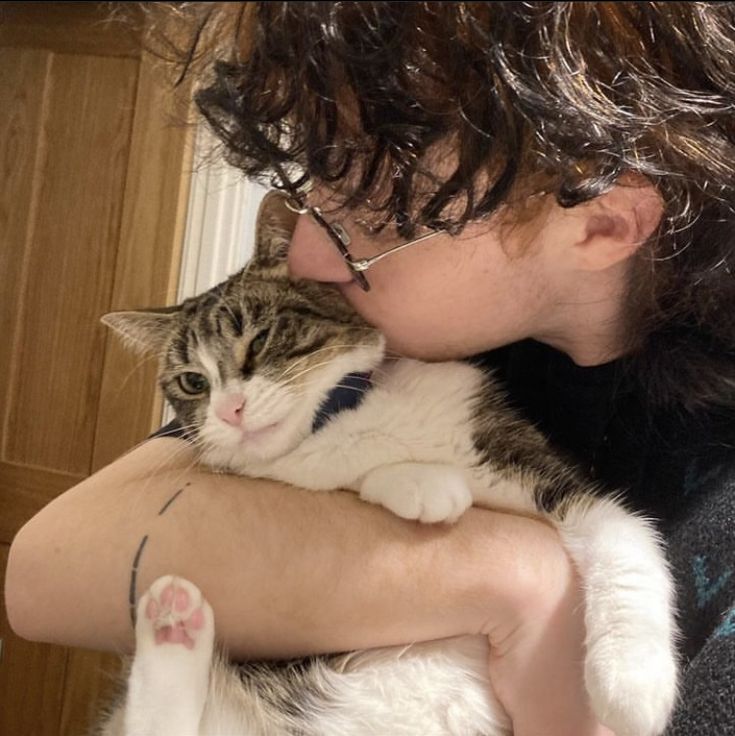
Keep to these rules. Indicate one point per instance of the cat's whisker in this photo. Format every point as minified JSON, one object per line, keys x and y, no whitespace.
{"x":392,"y":355}
{"x":300,"y":360}
{"x":342,"y":386}
{"x":196,"y":424}
{"x":333,"y":346}
{"x":378,"y":371}
{"x":154,"y":471}
{"x":136,"y":367}
{"x":375,"y":373}
{"x":310,"y":368}
{"x":183,"y":447}
{"x":176,"y":431}
{"x":356,"y":389}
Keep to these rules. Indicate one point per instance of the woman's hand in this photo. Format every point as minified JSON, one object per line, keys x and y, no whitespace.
{"x":537,"y":657}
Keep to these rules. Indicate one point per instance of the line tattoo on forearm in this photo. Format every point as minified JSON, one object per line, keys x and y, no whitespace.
{"x":132,"y":591}
{"x":132,"y":597}
{"x":171,"y":500}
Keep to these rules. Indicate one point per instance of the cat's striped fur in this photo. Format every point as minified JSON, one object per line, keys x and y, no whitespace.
{"x":427,"y":441}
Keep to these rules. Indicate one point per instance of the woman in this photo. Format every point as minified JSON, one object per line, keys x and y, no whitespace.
{"x":579,"y":161}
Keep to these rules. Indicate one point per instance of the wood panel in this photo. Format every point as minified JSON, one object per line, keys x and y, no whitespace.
{"x":93,"y":192}
{"x":146,"y":273}
{"x":23,"y":75}
{"x":149,"y":259}
{"x":92,"y":683}
{"x":31,"y":678}
{"x":24,"y":491}
{"x":70,"y":27}
{"x":73,"y":239}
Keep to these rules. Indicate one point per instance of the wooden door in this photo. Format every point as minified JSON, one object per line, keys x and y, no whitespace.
{"x":93,"y":190}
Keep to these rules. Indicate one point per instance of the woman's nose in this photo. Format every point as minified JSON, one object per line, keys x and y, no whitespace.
{"x":313,"y":256}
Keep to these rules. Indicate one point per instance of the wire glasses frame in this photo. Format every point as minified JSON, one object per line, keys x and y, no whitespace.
{"x":341,"y":238}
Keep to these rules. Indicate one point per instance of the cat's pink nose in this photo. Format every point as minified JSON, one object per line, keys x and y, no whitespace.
{"x":229,"y":408}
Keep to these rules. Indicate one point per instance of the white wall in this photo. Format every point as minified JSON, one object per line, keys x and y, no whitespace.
{"x":220,"y":223}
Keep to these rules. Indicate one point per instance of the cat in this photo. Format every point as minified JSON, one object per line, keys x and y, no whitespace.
{"x":247,"y":367}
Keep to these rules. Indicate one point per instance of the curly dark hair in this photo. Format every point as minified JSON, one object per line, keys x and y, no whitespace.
{"x":520,"y":97}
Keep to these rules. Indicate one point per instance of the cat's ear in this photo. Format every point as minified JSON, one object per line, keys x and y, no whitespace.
{"x":144,"y":331}
{"x":273,"y":231}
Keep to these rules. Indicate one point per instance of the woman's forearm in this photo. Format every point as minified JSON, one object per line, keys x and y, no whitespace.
{"x":290,"y":572}
{"x":287,"y":571}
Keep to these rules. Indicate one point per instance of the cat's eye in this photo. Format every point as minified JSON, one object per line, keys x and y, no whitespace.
{"x":193,"y":383}
{"x":258,"y":342}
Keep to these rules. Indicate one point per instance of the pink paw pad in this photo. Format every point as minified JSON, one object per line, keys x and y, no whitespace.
{"x":175,"y":634}
{"x":152,"y":609}
{"x":166,"y":616}
{"x":196,"y":620}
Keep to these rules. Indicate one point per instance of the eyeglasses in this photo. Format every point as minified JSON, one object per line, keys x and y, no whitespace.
{"x":341,"y":238}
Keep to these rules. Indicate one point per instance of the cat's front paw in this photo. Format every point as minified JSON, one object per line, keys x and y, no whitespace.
{"x":633,"y":692}
{"x":169,"y":677}
{"x":418,"y":491}
{"x":174,"y":620}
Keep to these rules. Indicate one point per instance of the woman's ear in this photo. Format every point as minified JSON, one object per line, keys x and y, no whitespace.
{"x":614,"y":225}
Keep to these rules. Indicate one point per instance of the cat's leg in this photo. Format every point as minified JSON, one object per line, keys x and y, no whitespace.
{"x":169,"y":679}
{"x":630,"y":666}
{"x":428,"y":492}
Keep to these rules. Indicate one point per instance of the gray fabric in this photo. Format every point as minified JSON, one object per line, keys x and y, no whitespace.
{"x":702,"y":554}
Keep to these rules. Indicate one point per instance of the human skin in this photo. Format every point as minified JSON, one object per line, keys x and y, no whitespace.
{"x":559,"y":278}
{"x":195,"y":535}
{"x":289,"y":572}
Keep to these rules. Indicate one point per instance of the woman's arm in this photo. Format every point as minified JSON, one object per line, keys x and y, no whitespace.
{"x":291,"y":572}
{"x":286,"y":571}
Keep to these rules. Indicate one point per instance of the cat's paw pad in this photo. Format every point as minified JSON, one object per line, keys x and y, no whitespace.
{"x":421,"y":492}
{"x":632,"y":692}
{"x":169,"y":676}
{"x":173,"y":611}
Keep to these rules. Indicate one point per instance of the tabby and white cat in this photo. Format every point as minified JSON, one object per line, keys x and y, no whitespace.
{"x":247,"y":367}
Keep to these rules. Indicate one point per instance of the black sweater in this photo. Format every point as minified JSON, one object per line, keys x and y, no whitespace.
{"x":678,"y":468}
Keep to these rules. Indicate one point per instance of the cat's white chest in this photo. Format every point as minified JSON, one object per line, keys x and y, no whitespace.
{"x":415,"y":412}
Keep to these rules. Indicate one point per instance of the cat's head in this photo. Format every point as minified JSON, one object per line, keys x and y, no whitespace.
{"x":247,"y":365}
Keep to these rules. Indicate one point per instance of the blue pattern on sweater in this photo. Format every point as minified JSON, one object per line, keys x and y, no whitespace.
{"x":706,"y":588}
{"x":727,"y":627}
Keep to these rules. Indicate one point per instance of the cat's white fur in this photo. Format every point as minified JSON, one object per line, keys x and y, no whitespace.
{"x":409,"y":448}
{"x":429,"y":689}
